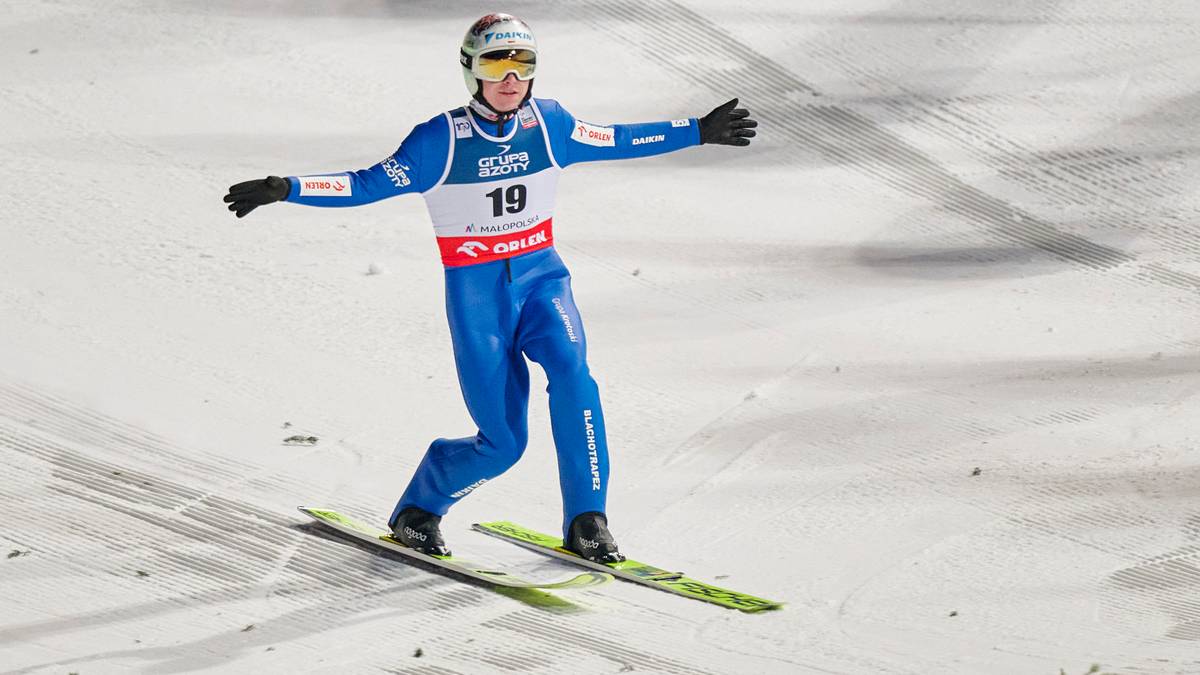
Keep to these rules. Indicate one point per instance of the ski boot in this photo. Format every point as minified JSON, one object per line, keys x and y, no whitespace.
{"x":418,"y":529}
{"x":589,"y":537}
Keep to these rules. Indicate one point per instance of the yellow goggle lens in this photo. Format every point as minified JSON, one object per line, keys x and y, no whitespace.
{"x":495,"y":66}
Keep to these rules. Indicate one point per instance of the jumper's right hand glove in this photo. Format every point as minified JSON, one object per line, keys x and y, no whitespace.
{"x":245,"y":197}
{"x":727,"y":125}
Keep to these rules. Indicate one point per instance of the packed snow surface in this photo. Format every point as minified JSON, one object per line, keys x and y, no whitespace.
{"x":923,"y":362}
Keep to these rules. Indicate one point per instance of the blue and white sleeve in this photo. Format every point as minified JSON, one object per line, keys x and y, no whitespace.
{"x":415,"y":167}
{"x":573,"y":141}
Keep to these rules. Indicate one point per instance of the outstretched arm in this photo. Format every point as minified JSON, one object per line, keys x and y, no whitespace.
{"x":575,"y":141}
{"x":395,"y":175}
{"x":414,"y":167}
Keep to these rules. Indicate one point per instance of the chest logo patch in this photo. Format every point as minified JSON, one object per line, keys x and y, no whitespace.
{"x":504,"y":163}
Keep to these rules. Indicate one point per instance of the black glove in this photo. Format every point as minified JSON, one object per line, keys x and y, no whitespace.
{"x":727,"y":125}
{"x":245,"y":197}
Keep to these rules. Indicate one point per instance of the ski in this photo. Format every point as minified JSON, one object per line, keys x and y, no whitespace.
{"x":359,"y":530}
{"x":630,"y":570}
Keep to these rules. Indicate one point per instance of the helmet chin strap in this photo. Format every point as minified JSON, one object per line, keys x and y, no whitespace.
{"x":501,"y":116}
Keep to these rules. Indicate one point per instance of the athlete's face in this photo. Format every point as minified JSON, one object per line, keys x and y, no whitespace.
{"x":507,"y":94}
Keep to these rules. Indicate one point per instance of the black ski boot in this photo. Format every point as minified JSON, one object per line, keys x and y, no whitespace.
{"x":418,"y":529}
{"x":589,"y":537}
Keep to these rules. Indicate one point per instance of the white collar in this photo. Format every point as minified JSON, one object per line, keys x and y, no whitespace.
{"x":483,"y":111}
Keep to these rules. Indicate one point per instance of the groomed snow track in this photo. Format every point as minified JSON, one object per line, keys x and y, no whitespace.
{"x":922,"y":363}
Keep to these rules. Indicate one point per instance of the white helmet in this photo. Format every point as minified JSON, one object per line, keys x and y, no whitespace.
{"x":500,"y":35}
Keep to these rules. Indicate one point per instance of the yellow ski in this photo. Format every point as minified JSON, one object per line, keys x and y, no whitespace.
{"x":630,"y":570}
{"x":374,"y":535}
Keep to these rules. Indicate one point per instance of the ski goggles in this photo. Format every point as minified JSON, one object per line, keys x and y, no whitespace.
{"x":495,"y":66}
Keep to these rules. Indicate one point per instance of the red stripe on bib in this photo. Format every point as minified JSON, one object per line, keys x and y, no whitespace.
{"x":460,"y":251}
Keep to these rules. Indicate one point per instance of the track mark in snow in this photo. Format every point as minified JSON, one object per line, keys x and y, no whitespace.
{"x":848,"y":137}
{"x":1170,"y":581}
{"x":66,"y":420}
{"x":198,"y":548}
{"x":563,"y":636}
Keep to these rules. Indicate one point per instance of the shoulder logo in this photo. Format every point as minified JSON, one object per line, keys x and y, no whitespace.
{"x":462,"y":128}
{"x":594,"y":135}
{"x":396,"y":171}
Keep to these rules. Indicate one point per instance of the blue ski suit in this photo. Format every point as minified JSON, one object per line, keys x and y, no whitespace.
{"x":508,"y":295}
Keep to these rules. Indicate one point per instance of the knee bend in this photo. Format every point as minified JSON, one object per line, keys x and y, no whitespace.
{"x":577,"y":379}
{"x":566,"y":367}
{"x":502,"y":449}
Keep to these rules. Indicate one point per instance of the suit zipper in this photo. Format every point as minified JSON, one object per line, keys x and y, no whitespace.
{"x":508,"y":269}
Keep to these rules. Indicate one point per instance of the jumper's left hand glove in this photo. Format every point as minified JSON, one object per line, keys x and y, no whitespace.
{"x":249,"y":195}
{"x":727,"y":125}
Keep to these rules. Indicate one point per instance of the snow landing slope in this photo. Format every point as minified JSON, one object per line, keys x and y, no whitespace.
{"x":922,"y":363}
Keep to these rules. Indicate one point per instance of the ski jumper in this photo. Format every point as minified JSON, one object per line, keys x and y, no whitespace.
{"x":508,"y":295}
